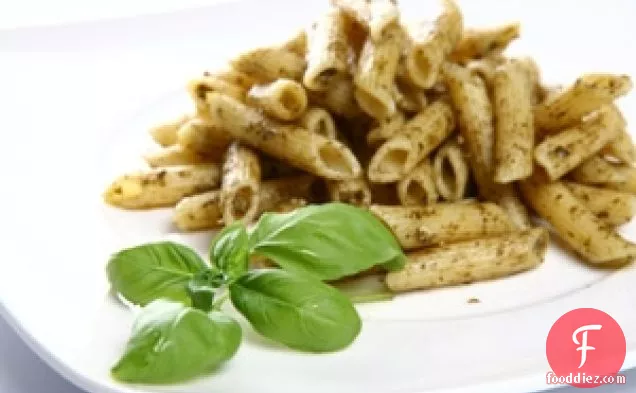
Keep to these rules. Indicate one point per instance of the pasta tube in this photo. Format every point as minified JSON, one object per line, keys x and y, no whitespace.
{"x":204,"y":211}
{"x":375,"y":74}
{"x":420,"y":136}
{"x":240,"y":184}
{"x":232,"y":77}
{"x":339,"y":98}
{"x":427,"y":46}
{"x":178,"y":155}
{"x":409,"y":98}
{"x":450,"y":172}
{"x":311,"y":152}
{"x":282,"y":99}
{"x":355,"y":192}
{"x":424,"y":226}
{"x":587,"y":94}
{"x":329,"y":50}
{"x":200,"y":87}
{"x":161,"y":187}
{"x":560,"y":153}
{"x":377,"y":16}
{"x":485,"y":69}
{"x":613,"y":207}
{"x":471,"y":261}
{"x":579,"y":228}
{"x":622,"y":148}
{"x":297,"y":43}
{"x":597,"y":171}
{"x":514,"y":128}
{"x":484,"y":42}
{"x":470,"y":96}
{"x":166,"y":134}
{"x":319,"y":121}
{"x":418,"y":187}
{"x":268,"y":64}
{"x":386,"y":129}
{"x":202,"y":136}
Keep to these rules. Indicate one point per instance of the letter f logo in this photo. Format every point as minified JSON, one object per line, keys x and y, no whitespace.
{"x":583,"y":344}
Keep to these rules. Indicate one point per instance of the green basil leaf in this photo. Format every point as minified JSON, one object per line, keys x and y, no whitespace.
{"x":172,"y":343}
{"x":202,"y":286}
{"x":153,"y":271}
{"x":298,"y":311}
{"x":229,"y":251}
{"x":328,"y":241}
{"x":365,"y":289}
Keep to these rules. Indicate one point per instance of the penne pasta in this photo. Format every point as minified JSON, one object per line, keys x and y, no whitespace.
{"x":450,"y":172}
{"x":485,"y":69}
{"x":419,"y":136}
{"x":471,"y":261}
{"x":622,"y":147}
{"x":200,"y":87}
{"x":328,"y":50}
{"x":166,"y":134}
{"x":297,"y":43}
{"x":597,"y":171}
{"x":376,"y":16}
{"x":418,"y":187}
{"x":537,"y":91}
{"x":575,"y":224}
{"x":294,"y":145}
{"x":319,"y":121}
{"x":375,"y":74}
{"x":586,"y":95}
{"x":514,"y":126}
{"x":240,"y":184}
{"x":268,"y":64}
{"x":409,"y":98}
{"x":386,"y":129}
{"x":613,"y":207}
{"x":202,"y":136}
{"x":161,"y":187}
{"x":284,"y":190}
{"x":283,"y":99}
{"x":427,"y":46}
{"x":354,"y":192}
{"x":339,"y":98}
{"x":178,"y":155}
{"x":232,"y":77}
{"x":424,"y":226}
{"x":560,"y":153}
{"x":484,"y":42}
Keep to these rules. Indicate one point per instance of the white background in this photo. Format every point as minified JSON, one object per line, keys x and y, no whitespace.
{"x":20,"y":369}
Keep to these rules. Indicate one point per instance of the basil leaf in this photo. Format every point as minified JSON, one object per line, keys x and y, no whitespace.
{"x":298,"y":311}
{"x":229,"y":251}
{"x":201,"y":288}
{"x":327,"y":242}
{"x":153,"y":271}
{"x":173,"y":343}
{"x":365,"y":289}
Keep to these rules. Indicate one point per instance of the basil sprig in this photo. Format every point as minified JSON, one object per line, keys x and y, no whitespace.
{"x":181,"y":334}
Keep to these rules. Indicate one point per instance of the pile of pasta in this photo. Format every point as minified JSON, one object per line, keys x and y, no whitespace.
{"x":428,"y":124}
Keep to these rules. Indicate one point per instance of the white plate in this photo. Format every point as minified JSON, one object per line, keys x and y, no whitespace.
{"x":76,"y":102}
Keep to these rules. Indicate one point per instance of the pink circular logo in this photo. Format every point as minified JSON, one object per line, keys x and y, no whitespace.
{"x":584,"y":346}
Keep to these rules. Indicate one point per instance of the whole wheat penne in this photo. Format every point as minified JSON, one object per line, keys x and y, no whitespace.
{"x":418,"y":187}
{"x":375,"y":74}
{"x":166,"y":134}
{"x":285,"y":189}
{"x":376,"y":16}
{"x":514,"y":127}
{"x":283,"y":99}
{"x":427,"y":45}
{"x":613,"y":207}
{"x":328,"y":50}
{"x":200,"y":87}
{"x":485,"y":68}
{"x":622,"y":148}
{"x":484,"y":42}
{"x":450,"y":172}
{"x":339,"y":98}
{"x":575,"y":224}
{"x":558,"y":154}
{"x":470,"y":98}
{"x":319,"y":121}
{"x":587,"y":94}
{"x":202,"y":136}
{"x":354,"y":192}
{"x":297,"y":146}
{"x":271,"y":63}
{"x":423,"y":226}
{"x":470,"y":261}
{"x":537,"y":91}
{"x":240,"y":184}
{"x":419,"y":136}
{"x":386,"y":129}
{"x":161,"y":187}
{"x":233,"y":77}
{"x":179,"y":155}
{"x":597,"y":171}
{"x":297,"y":43}
{"x":409,"y":98}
